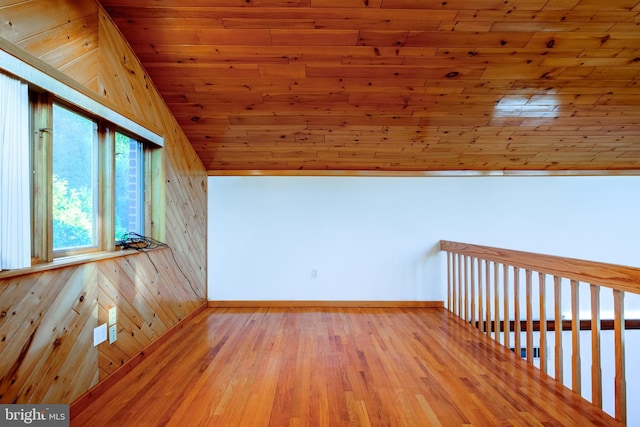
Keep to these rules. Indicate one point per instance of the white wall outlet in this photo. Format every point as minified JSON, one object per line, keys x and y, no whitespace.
{"x":112,"y":316}
{"x":99,"y":334}
{"x":113,"y":334}
{"x":314,"y":273}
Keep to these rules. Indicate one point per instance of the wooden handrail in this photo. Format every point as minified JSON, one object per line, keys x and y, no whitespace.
{"x":466,"y":299}
{"x":619,"y":277}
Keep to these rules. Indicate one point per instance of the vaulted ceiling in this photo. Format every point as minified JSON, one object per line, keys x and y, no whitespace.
{"x":396,"y":85}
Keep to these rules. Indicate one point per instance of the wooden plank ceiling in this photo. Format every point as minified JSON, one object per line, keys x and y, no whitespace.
{"x":396,"y":85}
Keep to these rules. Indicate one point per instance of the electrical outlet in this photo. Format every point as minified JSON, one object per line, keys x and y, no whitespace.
{"x":112,"y":316}
{"x":99,"y":334}
{"x":113,"y":334}
{"x":314,"y":273}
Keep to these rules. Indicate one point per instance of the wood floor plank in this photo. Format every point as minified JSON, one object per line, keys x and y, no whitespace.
{"x":325,"y":366}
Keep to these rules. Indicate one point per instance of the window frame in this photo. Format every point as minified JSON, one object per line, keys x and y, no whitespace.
{"x":42,"y":182}
{"x":48,"y":85}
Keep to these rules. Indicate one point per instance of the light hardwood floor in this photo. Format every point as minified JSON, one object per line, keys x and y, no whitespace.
{"x":335,"y":367}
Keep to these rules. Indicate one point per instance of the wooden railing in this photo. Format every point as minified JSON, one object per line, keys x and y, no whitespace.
{"x":484,"y":289}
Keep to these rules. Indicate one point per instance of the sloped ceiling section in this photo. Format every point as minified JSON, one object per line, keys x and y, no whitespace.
{"x":396,"y":85}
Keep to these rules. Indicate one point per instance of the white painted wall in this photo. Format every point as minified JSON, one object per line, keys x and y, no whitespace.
{"x":377,"y":238}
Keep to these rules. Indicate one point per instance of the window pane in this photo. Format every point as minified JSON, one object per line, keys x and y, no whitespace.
{"x":129,"y":186}
{"x":75,"y":180}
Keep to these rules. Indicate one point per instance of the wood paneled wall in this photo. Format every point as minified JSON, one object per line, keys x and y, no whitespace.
{"x":47,"y":318}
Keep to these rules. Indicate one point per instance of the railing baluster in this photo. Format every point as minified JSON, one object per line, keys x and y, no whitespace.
{"x":506,"y":328}
{"x":543,"y":322}
{"x":620,"y":378}
{"x":496,"y":301}
{"x":596,"y":369}
{"x":466,"y":289}
{"x":449,"y":280}
{"x":516,"y":311}
{"x":576,"y":373}
{"x":454,"y":284}
{"x":480,"y":299}
{"x":460,"y":313}
{"x":472,"y":283}
{"x":529,"y":318}
{"x":487,"y":272}
{"x":557,"y":296}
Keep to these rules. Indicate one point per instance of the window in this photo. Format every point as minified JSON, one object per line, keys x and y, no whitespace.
{"x":90,"y":176}
{"x":74,"y":181}
{"x":129,"y":186}
{"x":96,"y":178}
